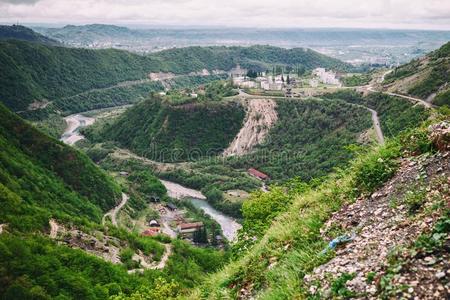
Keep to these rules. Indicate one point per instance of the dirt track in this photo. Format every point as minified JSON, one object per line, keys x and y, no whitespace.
{"x":113,"y":212}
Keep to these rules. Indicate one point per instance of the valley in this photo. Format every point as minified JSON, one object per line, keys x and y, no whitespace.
{"x":216,"y":172}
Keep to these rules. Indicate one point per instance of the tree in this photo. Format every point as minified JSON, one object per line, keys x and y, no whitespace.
{"x":252,"y":74}
{"x":200,"y":236}
{"x":288,"y":80}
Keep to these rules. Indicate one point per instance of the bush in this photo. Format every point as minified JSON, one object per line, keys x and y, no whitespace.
{"x":377,"y":168}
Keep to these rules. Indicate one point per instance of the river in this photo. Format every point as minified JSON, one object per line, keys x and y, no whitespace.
{"x":74,"y":122}
{"x":229,"y":225}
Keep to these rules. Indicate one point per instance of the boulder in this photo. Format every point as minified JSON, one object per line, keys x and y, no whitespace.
{"x":440,"y":135}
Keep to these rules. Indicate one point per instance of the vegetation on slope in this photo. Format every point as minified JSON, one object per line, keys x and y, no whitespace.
{"x":396,"y":114}
{"x":44,"y":177}
{"x":36,"y":72}
{"x":308,"y":140}
{"x":40,"y":179}
{"x":160,"y":131}
{"x":282,"y":240}
{"x":18,"y":32}
{"x":426,"y":76}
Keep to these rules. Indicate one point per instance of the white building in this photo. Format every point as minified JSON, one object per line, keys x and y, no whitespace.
{"x":326,"y":77}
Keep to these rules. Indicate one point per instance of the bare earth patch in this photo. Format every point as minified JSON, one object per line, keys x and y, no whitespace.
{"x":261,"y":116}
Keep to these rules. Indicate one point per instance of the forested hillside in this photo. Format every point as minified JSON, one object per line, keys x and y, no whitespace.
{"x":162,"y":131}
{"x":42,"y":178}
{"x":38,"y":74}
{"x":308,"y":140}
{"x":18,"y":32}
{"x":396,"y":114}
{"x":427,"y":77}
{"x":376,"y":229}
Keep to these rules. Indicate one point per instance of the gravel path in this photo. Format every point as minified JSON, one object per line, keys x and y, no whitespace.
{"x":113,"y":212}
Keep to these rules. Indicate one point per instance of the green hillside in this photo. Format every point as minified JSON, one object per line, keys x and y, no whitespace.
{"x":288,"y":231}
{"x":396,"y":114}
{"x":18,"y":32}
{"x":162,"y":131}
{"x":42,"y":178}
{"x":425,"y":77}
{"x":308,"y":140}
{"x":34,"y":73}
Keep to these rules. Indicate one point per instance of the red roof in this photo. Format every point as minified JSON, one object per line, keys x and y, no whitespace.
{"x":257,"y":173}
{"x":191,"y":225}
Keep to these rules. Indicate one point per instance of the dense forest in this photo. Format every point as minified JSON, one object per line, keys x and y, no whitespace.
{"x":161,"y":131}
{"x":18,"y":32}
{"x":42,"y":179}
{"x":38,"y":72}
{"x":308,"y":140}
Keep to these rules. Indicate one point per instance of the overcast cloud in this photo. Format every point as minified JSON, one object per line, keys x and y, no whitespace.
{"x":414,"y":14}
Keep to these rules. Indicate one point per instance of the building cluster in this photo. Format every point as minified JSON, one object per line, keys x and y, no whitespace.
{"x":324,"y":76}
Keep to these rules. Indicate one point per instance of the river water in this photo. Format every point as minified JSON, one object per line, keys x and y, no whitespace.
{"x":74,"y":122}
{"x":229,"y":225}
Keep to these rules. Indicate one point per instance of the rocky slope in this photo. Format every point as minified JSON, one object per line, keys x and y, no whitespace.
{"x":392,"y":217}
{"x":378,"y":230}
{"x":261,"y":115}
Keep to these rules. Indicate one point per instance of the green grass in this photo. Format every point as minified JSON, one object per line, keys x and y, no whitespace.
{"x":272,"y":267}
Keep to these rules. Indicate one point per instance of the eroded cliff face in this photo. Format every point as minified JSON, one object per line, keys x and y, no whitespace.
{"x":261,"y":116}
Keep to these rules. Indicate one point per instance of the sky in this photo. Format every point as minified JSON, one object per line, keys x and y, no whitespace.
{"x":402,"y":14}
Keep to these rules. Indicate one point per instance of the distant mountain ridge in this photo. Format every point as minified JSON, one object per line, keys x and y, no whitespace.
{"x":23,"y":33}
{"x":87,"y":33}
{"x":38,"y":72}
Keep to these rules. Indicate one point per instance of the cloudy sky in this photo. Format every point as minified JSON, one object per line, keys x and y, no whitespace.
{"x":414,"y":14}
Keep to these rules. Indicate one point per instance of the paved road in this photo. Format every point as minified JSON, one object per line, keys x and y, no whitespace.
{"x":375,"y":119}
{"x":376,"y":125}
{"x":120,"y":84}
{"x":370,"y":87}
{"x":113,"y":212}
{"x":413,"y":99}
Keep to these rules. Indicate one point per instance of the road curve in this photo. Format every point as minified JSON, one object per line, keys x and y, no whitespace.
{"x":375,"y":119}
{"x":113,"y":212}
{"x":409,"y":98}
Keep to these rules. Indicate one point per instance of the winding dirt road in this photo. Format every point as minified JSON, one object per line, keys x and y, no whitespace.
{"x":113,"y":212}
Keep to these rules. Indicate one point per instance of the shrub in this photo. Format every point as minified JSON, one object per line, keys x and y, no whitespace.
{"x":377,"y":168}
